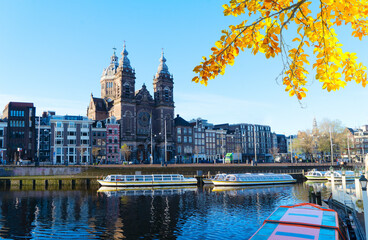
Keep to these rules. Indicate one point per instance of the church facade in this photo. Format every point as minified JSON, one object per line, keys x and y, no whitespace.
{"x":146,"y":122}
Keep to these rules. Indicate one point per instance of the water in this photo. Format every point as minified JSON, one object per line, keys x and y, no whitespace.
{"x":185,"y":213}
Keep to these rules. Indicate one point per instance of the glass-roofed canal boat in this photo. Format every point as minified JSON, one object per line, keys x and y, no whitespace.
{"x":254,"y":179}
{"x":146,"y":180}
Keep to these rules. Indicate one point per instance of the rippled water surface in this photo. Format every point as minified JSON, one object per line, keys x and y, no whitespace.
{"x":185,"y":213}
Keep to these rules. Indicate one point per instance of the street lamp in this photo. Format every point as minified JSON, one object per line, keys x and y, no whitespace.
{"x":363,"y":183}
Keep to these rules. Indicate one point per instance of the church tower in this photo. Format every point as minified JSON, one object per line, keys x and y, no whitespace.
{"x":124,"y":104}
{"x":163,"y":86}
{"x":107,"y":79}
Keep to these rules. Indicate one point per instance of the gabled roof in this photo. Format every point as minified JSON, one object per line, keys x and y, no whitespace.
{"x":179,"y":121}
{"x":100,"y":104}
{"x":143,"y":94}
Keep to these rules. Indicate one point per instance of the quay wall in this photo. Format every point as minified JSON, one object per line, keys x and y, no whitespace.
{"x":185,"y":169}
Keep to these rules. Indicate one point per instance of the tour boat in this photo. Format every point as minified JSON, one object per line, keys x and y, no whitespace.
{"x":146,"y":180}
{"x":301,"y":221}
{"x":254,"y":179}
{"x":316,"y":175}
{"x":349,"y":175}
{"x":219,"y":176}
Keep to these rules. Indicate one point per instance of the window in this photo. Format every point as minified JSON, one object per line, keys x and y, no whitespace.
{"x":72,"y":133}
{"x":85,"y":134}
{"x":1,"y":132}
{"x":115,"y":131}
{"x":115,"y":140}
{"x":72,"y":124}
{"x":85,"y":142}
{"x":185,"y":130}
{"x":179,"y":139}
{"x":110,"y":140}
{"x":71,"y":150}
{"x":30,"y":134}
{"x":110,"y":149}
{"x":126,"y":90}
{"x":59,"y":141}
{"x":72,"y":141}
{"x":85,"y":125}
{"x":58,"y":124}
{"x":179,"y":131}
{"x":190,"y":139}
{"x":110,"y":131}
{"x":179,"y":150}
{"x":185,"y":139}
{"x":166,"y":93}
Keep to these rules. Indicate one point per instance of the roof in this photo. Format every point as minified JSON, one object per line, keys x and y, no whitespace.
{"x":179,"y":121}
{"x":100,"y":104}
{"x":301,"y":221}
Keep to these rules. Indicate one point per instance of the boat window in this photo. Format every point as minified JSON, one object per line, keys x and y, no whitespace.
{"x":167,"y":178}
{"x":119,"y":178}
{"x":158,"y":178}
{"x":176,"y":178}
{"x":113,"y":179}
{"x":129,"y":178}
{"x":148,"y":178}
{"x":107,"y":178}
{"x":139,"y":178}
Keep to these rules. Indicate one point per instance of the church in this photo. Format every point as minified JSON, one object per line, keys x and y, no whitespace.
{"x":146,"y":122}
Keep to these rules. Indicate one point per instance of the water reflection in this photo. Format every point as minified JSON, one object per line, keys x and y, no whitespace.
{"x":183,"y":213}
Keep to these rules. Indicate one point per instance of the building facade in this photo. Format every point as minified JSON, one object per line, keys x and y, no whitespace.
{"x":71,"y":140}
{"x":143,"y":119}
{"x":113,"y":142}
{"x":99,"y":142}
{"x":184,"y":140}
{"x":20,"y":131}
{"x":3,"y":131}
{"x":43,"y":143}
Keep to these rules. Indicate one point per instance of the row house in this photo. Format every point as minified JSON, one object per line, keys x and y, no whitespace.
{"x":113,"y":141}
{"x":281,"y":143}
{"x":106,"y":141}
{"x":43,"y":137}
{"x":199,"y":147}
{"x":71,"y":140}
{"x":20,"y":131}
{"x":254,"y":140}
{"x":184,"y":140}
{"x":99,"y":142}
{"x":3,"y":126}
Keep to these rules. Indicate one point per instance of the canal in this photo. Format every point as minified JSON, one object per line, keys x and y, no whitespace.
{"x":181,"y":213}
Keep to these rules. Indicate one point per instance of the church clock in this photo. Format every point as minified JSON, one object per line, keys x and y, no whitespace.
{"x":143,"y":119}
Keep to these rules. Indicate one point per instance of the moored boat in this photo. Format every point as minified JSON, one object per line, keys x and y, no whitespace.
{"x":146,"y":180}
{"x":219,"y":176}
{"x":301,"y":221}
{"x":316,"y":175}
{"x":349,"y":175}
{"x":254,"y":179}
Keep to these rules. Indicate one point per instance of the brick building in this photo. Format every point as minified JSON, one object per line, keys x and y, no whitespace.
{"x":138,"y":112}
{"x":184,"y":140}
{"x":20,"y":133}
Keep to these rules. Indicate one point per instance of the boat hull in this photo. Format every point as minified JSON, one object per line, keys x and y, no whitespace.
{"x":207,"y":181}
{"x":146,"y":184}
{"x":245,"y":183}
{"x":311,"y":178}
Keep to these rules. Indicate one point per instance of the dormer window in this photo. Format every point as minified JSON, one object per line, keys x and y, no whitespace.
{"x":99,"y":125}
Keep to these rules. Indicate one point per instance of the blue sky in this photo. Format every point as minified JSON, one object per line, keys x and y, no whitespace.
{"x":53,"y":54}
